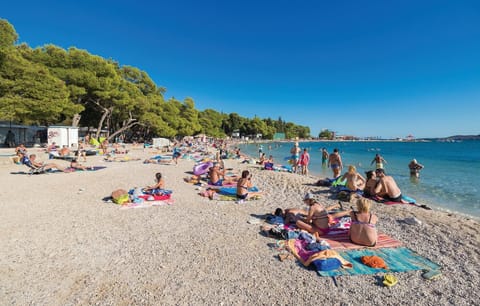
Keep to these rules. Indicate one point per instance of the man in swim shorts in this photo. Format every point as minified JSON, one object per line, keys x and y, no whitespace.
{"x":335,"y":162}
{"x":387,"y":188}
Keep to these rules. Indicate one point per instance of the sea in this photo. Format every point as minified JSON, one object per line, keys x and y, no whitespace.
{"x":450,"y":180}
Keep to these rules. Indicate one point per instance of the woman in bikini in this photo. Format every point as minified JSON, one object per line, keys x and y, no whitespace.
{"x":363,"y":230}
{"x":318,"y":219}
{"x":243,"y":184}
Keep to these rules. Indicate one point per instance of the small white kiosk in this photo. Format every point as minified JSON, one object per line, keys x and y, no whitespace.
{"x":63,"y":136}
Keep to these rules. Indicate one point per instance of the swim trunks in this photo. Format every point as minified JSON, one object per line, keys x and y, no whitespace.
{"x":396,"y":199}
{"x":218,"y":183}
{"x":334,"y":166}
{"x":242,"y":196}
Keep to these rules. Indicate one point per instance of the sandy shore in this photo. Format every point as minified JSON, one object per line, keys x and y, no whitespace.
{"x":61,"y":245}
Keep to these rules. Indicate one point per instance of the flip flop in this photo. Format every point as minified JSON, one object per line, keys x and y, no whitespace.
{"x":389,"y":280}
{"x":432,"y":274}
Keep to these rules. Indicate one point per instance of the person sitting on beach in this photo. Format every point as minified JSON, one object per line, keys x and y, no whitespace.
{"x":415,"y":168}
{"x":262,"y":160}
{"x":335,"y":162}
{"x":52,"y":151}
{"x":32,"y":163}
{"x":21,"y":149}
{"x":355,"y":182}
{"x":217,"y":176}
{"x":379,"y":161}
{"x":387,"y":188}
{"x":318,"y":219}
{"x":159,"y":185}
{"x":243,"y":184}
{"x":371,"y":183}
{"x":362,"y":230}
{"x":64,"y":151}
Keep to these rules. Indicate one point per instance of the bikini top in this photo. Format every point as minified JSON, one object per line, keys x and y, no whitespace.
{"x":360,"y":222}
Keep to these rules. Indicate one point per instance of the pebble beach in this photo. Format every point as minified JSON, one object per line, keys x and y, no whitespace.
{"x":62,"y":245}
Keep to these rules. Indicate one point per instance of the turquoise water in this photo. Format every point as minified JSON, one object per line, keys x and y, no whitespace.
{"x":450,"y":179}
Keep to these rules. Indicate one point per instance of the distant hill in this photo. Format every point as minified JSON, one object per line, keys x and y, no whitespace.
{"x":457,"y":137}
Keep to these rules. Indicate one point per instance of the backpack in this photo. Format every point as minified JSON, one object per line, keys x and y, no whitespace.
{"x":120,"y":196}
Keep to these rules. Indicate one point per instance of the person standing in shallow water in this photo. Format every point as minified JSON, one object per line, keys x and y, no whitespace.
{"x":335,"y":162}
{"x":379,"y":161}
{"x":415,"y":168}
{"x":324,"y":157}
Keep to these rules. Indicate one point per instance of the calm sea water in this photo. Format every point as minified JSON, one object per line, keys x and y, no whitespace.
{"x":450,"y":179}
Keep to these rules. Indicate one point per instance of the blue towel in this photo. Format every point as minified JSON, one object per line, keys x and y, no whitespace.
{"x":397,"y":259}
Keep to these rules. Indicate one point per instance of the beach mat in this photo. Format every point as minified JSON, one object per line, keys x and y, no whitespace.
{"x":397,"y":260}
{"x":146,"y":204}
{"x":341,"y":241}
{"x":222,"y":197}
{"x":95,"y":168}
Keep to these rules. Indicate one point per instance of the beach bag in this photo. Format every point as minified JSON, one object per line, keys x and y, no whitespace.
{"x":120,"y":196}
{"x":327,"y":264}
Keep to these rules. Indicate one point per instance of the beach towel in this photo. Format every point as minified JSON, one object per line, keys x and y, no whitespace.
{"x":397,"y":260}
{"x":339,"y":240}
{"x":94,"y":168}
{"x":146,"y":204}
{"x":229,"y":191}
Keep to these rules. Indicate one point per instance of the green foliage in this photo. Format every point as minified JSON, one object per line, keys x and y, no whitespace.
{"x":326,"y":134}
{"x":8,"y":35}
{"x":49,"y":84}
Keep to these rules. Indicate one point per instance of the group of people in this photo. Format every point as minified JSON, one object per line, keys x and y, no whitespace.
{"x":318,"y":219}
{"x":299,"y":160}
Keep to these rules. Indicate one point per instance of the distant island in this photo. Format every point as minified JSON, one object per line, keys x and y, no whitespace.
{"x":456,"y":138}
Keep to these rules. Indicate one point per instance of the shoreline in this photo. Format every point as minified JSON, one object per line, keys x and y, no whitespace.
{"x":62,"y":245}
{"x":421,"y":197}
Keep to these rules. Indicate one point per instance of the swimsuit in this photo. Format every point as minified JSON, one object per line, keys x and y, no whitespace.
{"x":334,"y":166}
{"x":367,"y":224}
{"x":218,"y":183}
{"x":395,"y":199}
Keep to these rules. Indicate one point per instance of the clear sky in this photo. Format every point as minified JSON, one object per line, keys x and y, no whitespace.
{"x":363,"y":68}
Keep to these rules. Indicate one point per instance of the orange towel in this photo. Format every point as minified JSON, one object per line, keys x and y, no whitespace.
{"x":374,"y":262}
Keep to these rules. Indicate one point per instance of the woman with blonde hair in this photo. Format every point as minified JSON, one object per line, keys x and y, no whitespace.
{"x":363,"y":229}
{"x":355,"y":181}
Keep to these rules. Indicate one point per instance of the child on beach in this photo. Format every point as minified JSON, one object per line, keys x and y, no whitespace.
{"x":159,"y":185}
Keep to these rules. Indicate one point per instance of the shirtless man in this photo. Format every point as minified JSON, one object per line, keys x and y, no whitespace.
{"x":387,"y":187}
{"x":34,"y":164}
{"x":335,"y":162}
{"x":217,"y":176}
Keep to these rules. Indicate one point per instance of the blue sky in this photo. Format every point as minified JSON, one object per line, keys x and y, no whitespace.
{"x":364,"y":68}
